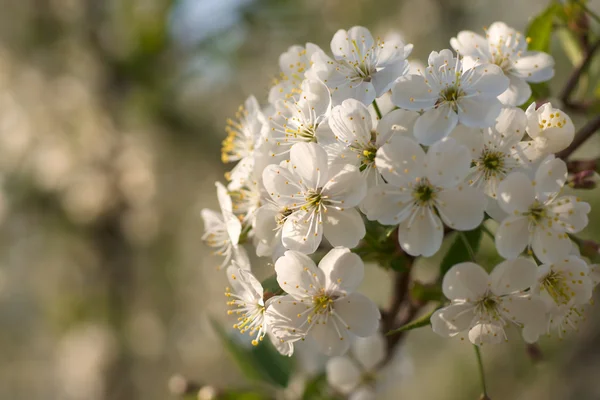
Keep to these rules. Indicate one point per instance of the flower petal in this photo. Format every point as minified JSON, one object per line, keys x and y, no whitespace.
{"x":369,"y":351}
{"x":550,"y":177}
{"x":550,"y":245}
{"x":513,"y":275}
{"x":343,"y":228}
{"x":282,"y":185}
{"x":435,"y":124}
{"x":396,"y":122}
{"x":468,"y":43}
{"x":534,"y":66}
{"x":479,"y":111}
{"x":351,"y":123}
{"x":421,"y":234}
{"x":461,"y":208}
{"x":302,"y":231}
{"x":518,"y":92}
{"x":487,"y":79}
{"x":346,"y":189}
{"x":450,"y":321}
{"x":343,"y":270}
{"x":309,"y":161}
{"x":298,"y":275}
{"x":515,"y":193}
{"x":512,"y":236}
{"x":465,"y":281}
{"x":400,"y":161}
{"x":359,"y":314}
{"x":331,"y":337}
{"x":447,"y":163}
{"x":482,"y":333}
{"x":342,"y":374}
{"x":385,"y":204}
{"x":411,"y":92}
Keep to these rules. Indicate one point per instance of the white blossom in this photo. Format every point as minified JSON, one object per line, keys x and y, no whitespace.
{"x":300,"y":118}
{"x":537,"y":216}
{"x":506,"y":48}
{"x":550,"y":129}
{"x":223,"y":230}
{"x":483,"y":306}
{"x":321,"y":302}
{"x":293,"y":65}
{"x":246,"y":297}
{"x":268,"y":224}
{"x":364,"y":373}
{"x":565,"y":287}
{"x":243,"y":137}
{"x":321,"y":199}
{"x":355,"y":139}
{"x":363,"y":67}
{"x":421,"y":188}
{"x":447,"y":93}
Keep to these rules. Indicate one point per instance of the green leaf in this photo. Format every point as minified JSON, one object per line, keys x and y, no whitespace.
{"x":459,"y":252}
{"x":259,"y":363}
{"x":540,"y":29}
{"x":570,"y":45}
{"x":271,"y":285}
{"x":276,"y":367}
{"x":417,"y":323}
{"x":240,"y":355}
{"x":315,"y":388}
{"x":426,"y":292}
{"x":236,"y":395}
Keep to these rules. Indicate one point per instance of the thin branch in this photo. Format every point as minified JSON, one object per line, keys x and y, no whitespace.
{"x":581,"y":137}
{"x":573,"y":80}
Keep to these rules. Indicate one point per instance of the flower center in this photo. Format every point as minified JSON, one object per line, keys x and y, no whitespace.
{"x":488,"y":306}
{"x":313,"y":198}
{"x":555,"y":285}
{"x":491,"y":163}
{"x":553,"y":120}
{"x":238,"y":143}
{"x":282,"y":216}
{"x":537,"y":212}
{"x":424,"y":192}
{"x":367,"y":157}
{"x":306,"y":133}
{"x":322,"y":305}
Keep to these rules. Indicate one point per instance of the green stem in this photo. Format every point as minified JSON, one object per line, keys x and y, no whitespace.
{"x":481,"y":372}
{"x":588,"y":11}
{"x":377,"y":110}
{"x":487,"y":231}
{"x":468,"y":246}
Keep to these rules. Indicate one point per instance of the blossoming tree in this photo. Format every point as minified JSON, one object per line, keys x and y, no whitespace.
{"x":324,"y":181}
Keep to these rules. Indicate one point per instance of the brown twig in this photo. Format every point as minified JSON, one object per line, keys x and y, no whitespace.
{"x":573,"y":80}
{"x":581,"y":137}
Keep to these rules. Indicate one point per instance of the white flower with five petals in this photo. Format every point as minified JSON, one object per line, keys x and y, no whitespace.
{"x":422,"y":187}
{"x":321,"y":302}
{"x":483,"y":305}
{"x":506,"y":48}
{"x":223,"y":230}
{"x":246,"y":297}
{"x":299,"y":119}
{"x":364,"y":373}
{"x":565,"y":286}
{"x":320,"y":199}
{"x":355,"y":140}
{"x":447,"y":94}
{"x":363,"y":68}
{"x":244,"y":135}
{"x":293,"y":65}
{"x":537,"y":217}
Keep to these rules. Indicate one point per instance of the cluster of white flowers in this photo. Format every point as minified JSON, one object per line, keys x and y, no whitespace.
{"x":319,"y":159}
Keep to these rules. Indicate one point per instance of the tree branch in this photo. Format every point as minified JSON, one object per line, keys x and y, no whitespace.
{"x":573,"y":80}
{"x":581,"y":137}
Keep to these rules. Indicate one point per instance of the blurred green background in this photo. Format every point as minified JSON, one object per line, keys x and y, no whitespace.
{"x":111,"y":117}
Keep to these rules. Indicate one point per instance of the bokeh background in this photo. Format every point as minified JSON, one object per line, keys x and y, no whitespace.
{"x":111,"y":118}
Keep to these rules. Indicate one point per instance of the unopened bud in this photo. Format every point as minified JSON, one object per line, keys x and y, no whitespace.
{"x":576,"y":166}
{"x":583,"y":180}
